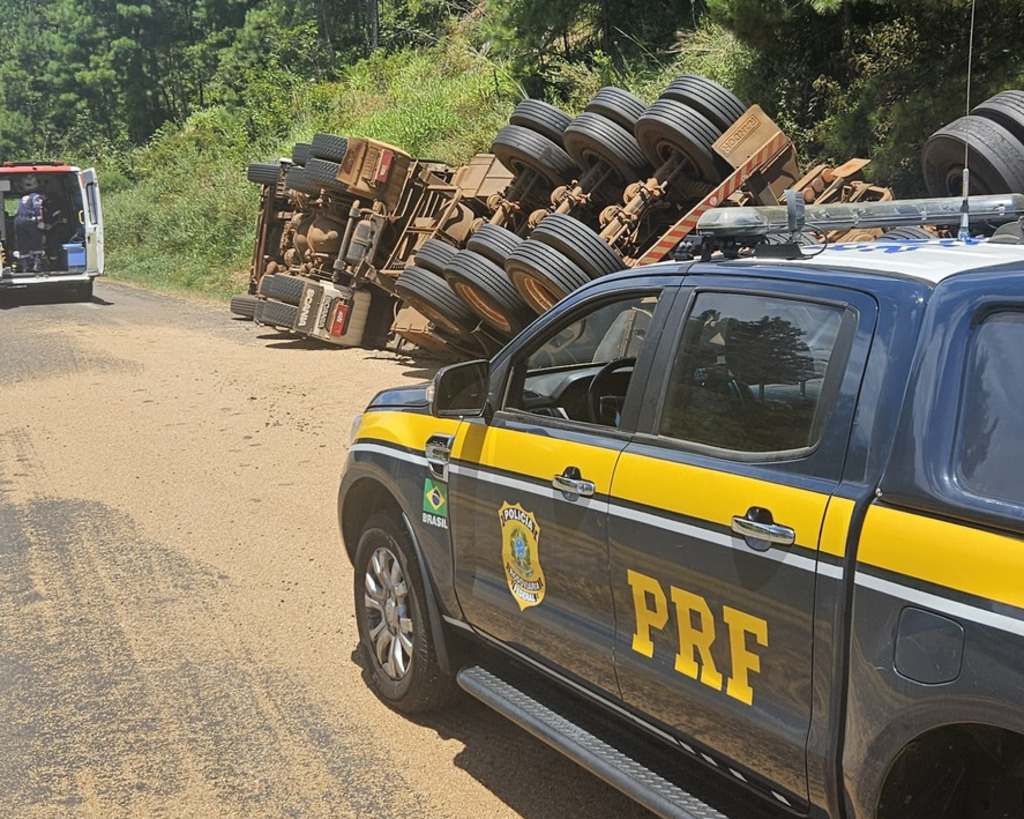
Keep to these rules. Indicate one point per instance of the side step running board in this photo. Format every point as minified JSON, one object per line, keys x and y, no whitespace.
{"x":631,"y":777}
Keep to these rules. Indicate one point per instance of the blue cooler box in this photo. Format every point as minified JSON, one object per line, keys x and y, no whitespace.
{"x":76,"y":257}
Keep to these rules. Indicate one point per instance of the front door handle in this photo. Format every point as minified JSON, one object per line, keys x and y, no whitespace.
{"x":572,"y":483}
{"x":439,"y":451}
{"x":760,"y":530}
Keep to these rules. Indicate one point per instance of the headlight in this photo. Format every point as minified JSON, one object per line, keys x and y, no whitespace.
{"x":354,"y":428}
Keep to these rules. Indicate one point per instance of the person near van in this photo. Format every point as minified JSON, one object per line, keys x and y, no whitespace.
{"x":29,"y":227}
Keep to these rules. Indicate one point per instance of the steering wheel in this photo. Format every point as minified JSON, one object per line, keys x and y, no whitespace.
{"x":594,"y":390}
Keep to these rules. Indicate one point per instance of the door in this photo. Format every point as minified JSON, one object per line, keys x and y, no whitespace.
{"x":715,"y":518}
{"x":92,"y":220}
{"x":529,"y":489}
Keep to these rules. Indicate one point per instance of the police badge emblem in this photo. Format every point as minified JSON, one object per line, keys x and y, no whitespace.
{"x":520,"y":555}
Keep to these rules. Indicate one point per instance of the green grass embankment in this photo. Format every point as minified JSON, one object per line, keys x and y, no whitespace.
{"x":180,"y":214}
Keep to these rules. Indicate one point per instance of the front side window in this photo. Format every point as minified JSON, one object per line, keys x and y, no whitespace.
{"x":991,"y":426}
{"x":749,"y":373}
{"x":581,"y":369}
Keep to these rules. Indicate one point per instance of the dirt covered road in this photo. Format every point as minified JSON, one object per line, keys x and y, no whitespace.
{"x":176,"y":630}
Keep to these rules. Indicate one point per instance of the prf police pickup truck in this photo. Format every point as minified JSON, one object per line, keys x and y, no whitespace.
{"x":742,"y":534}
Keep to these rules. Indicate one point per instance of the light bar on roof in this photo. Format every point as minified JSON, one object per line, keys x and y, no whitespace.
{"x":994,"y":209}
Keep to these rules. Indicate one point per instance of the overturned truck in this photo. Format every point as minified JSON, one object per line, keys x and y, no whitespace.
{"x":360,"y":244}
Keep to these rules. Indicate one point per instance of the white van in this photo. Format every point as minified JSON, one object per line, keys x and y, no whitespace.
{"x":70,"y":226}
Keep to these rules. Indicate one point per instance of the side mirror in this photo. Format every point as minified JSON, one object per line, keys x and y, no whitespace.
{"x":460,"y":390}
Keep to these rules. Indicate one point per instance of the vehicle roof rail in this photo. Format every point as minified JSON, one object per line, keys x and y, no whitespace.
{"x":752,"y":224}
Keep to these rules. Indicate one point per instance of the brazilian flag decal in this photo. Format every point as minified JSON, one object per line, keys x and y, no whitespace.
{"x":435,"y":498}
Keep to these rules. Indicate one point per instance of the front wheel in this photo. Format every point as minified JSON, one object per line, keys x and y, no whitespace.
{"x":396,"y":642}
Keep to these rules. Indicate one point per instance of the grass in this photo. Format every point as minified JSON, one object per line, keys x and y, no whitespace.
{"x":180,"y":214}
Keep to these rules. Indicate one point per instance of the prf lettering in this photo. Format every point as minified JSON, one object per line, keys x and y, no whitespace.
{"x":695,"y":623}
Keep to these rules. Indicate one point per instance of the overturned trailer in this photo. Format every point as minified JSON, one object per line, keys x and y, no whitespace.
{"x":359,"y":244}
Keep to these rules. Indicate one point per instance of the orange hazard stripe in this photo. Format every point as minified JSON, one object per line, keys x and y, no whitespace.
{"x":727,"y":188}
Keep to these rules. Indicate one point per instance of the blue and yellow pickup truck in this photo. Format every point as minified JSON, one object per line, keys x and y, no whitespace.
{"x":743,"y":533}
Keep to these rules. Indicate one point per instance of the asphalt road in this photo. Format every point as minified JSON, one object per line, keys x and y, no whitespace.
{"x":176,"y":631}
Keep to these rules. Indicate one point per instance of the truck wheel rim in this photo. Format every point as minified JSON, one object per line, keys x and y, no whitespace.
{"x":388,"y":624}
{"x":482,"y":307}
{"x":538,"y":295}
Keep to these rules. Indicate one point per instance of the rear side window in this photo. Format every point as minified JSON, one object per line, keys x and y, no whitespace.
{"x":750,"y":373}
{"x":991,"y":426}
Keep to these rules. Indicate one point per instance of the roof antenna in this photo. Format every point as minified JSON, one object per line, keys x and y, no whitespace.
{"x":965,"y":209}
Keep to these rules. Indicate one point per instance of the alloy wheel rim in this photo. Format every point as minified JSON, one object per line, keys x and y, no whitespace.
{"x":386,"y":603}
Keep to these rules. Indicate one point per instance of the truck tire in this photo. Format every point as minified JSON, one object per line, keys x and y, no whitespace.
{"x":300,"y":153}
{"x":244,"y":305}
{"x":519,"y":149}
{"x":618,"y":105}
{"x":465,"y":344}
{"x":324,"y":173}
{"x":328,"y":146}
{"x":542,"y":275}
{"x":1005,"y":108}
{"x":707,"y":97}
{"x":996,"y":158}
{"x":912,"y":232}
{"x":669,"y":127}
{"x":541,"y":118}
{"x":396,"y":641}
{"x":434,"y":255}
{"x":296,"y":180}
{"x":263,"y":173}
{"x":494,"y":243}
{"x":282,"y":287}
{"x":578,"y":243}
{"x":277,"y":314}
{"x":433,"y":297}
{"x":591,"y":138}
{"x":486,"y":289}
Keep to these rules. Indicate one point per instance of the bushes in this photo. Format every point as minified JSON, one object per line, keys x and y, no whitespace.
{"x":870,"y":79}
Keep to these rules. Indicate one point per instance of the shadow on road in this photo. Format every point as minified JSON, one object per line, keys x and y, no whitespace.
{"x":534,"y":780}
{"x":47,"y":294}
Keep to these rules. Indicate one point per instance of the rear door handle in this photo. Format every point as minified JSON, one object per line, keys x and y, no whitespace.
{"x":760,"y":530}
{"x":572,"y":483}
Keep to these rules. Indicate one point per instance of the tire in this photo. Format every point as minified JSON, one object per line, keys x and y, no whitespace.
{"x":324,"y":173}
{"x":282,"y":287}
{"x":487,"y":291}
{"x":396,"y":643}
{"x":520,"y":149}
{"x":578,"y":243}
{"x":669,"y":127}
{"x":434,"y":255}
{"x":542,"y":275}
{"x":494,"y":243}
{"x":328,"y":146}
{"x":277,"y":314}
{"x":263,"y":173}
{"x":804,"y":239}
{"x":996,"y":158}
{"x":591,"y":139}
{"x":707,"y":97}
{"x":300,"y":153}
{"x":433,"y":297}
{"x":296,"y":180}
{"x":911,"y":232}
{"x":244,"y":305}
{"x":541,"y":118}
{"x":1005,"y":108}
{"x":618,"y":105}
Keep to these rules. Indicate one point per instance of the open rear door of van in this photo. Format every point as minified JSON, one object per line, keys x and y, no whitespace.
{"x":92,"y":218}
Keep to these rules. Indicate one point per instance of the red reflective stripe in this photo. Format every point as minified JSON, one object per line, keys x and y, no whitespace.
{"x":725,"y":189}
